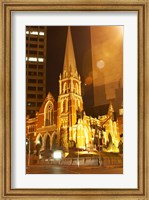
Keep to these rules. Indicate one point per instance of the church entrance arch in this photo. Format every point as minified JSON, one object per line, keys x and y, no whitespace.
{"x":46,"y":141}
{"x":54,"y":139}
{"x":47,"y":145}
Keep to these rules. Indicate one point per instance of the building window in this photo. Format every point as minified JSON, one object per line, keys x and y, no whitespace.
{"x":33,"y":52}
{"x":31,"y":88}
{"x":33,"y":39}
{"x":65,"y":88}
{"x":41,"y":39}
{"x":40,"y":59}
{"x":41,"y":46}
{"x":49,"y":114}
{"x":32,"y":73}
{"x":40,"y":96}
{"x":40,"y":88}
{"x":31,"y":96}
{"x":31,"y":80}
{"x":32,"y":59}
{"x":40,"y":81}
{"x":40,"y":52}
{"x":41,"y":33}
{"x":65,"y":106}
{"x":34,"y":32}
{"x":40,"y":66}
{"x":33,"y":45}
{"x":40,"y":73}
{"x":32,"y":66}
{"x":77,"y":88}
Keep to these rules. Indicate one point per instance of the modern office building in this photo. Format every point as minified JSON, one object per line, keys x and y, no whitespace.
{"x":36,"y":40}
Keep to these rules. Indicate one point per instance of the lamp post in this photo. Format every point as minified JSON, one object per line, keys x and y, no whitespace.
{"x":28,"y":143}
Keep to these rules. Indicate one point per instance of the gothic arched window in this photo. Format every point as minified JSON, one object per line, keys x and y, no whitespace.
{"x":49,"y":114}
{"x":65,"y":88}
{"x":77,"y":88}
{"x":65,"y":106}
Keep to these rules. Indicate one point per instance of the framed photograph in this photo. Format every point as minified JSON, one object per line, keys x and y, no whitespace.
{"x":74,"y":100}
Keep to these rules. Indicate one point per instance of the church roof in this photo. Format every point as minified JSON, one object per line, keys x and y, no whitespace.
{"x":47,"y":98}
{"x":69,"y":60}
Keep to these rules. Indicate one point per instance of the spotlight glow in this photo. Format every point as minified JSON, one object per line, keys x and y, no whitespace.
{"x":100,"y":64}
{"x":57,"y":155}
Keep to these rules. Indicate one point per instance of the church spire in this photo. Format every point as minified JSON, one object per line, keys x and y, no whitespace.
{"x":69,"y":67}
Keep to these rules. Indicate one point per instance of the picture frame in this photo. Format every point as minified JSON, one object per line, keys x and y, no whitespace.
{"x":7,"y":8}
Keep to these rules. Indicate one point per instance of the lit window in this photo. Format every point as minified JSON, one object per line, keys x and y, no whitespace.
{"x":32,"y":59}
{"x":34,"y":33}
{"x":41,"y":33}
{"x":26,"y":58}
{"x":40,"y":59}
{"x":27,"y":32}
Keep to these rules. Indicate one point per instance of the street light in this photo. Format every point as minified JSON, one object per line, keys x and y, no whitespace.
{"x":57,"y":155}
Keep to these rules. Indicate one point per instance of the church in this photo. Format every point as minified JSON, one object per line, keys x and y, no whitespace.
{"x":63,"y":124}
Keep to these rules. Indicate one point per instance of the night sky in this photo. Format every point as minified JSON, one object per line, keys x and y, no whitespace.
{"x":56,"y":43}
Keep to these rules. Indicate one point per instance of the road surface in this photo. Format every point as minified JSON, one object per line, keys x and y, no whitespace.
{"x":57,"y":169}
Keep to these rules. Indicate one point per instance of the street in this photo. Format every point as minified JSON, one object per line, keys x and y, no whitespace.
{"x":57,"y":169}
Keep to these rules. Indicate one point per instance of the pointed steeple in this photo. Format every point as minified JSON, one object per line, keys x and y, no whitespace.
{"x":69,"y":59}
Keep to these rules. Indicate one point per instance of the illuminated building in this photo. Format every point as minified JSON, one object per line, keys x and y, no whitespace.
{"x":36,"y":37}
{"x":64,"y":124}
